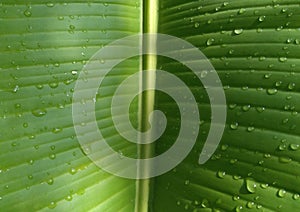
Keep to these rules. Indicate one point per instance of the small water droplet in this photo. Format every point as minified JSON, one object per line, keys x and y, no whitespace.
{"x":282,"y":59}
{"x":210,"y":41}
{"x":39,"y":112}
{"x":221,"y":174}
{"x":238,"y":31}
{"x":196,"y":25}
{"x":69,"y":198}
{"x":241,"y":11}
{"x":74,"y":72}
{"x":284,"y":160}
{"x":281,"y":193}
{"x":52,"y":205}
{"x":261,"y":18}
{"x":272,"y":91}
{"x":27,"y":13}
{"x":50,"y":181}
{"x":50,"y":4}
{"x":234,"y":126}
{"x":246,"y":108}
{"x":53,"y":85}
{"x":52,"y":156}
{"x":291,"y":86}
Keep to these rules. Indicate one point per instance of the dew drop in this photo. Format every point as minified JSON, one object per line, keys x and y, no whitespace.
{"x":50,"y":181}
{"x":53,"y":85}
{"x":27,"y":13}
{"x":250,"y":186}
{"x":52,"y":156}
{"x":238,"y":31}
{"x":210,"y":41}
{"x":261,"y":18}
{"x":221,"y":174}
{"x":291,"y":86}
{"x":294,"y":147}
{"x":52,"y":205}
{"x":246,"y":108}
{"x":241,"y":11}
{"x":50,"y":4}
{"x":281,"y":193}
{"x":69,"y":198}
{"x":282,"y":59}
{"x":272,"y":91}
{"x":296,"y":196}
{"x":196,"y":25}
{"x":234,"y":126}
{"x":250,"y":205}
{"x":39,"y":112}
{"x":284,"y":160}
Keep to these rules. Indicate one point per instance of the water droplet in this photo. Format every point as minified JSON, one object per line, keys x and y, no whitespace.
{"x":52,"y":156}
{"x":187,"y":182}
{"x":264,"y":185}
{"x":281,"y":193}
{"x":72,"y":27}
{"x":50,"y":4}
{"x":294,"y":147}
{"x":232,"y":106}
{"x":204,"y":203}
{"x":246,"y":108}
{"x":278,"y":83}
{"x":203,"y":74}
{"x":238,"y":208}
{"x":234,"y":126}
{"x":267,"y":76}
{"x":69,"y":198}
{"x":196,"y":25}
{"x":52,"y":205}
{"x":56,"y":130}
{"x":250,"y":129}
{"x":50,"y":181}
{"x":39,"y":112}
{"x":261,"y":18}
{"x":53,"y":85}
{"x":238,"y":31}
{"x":250,"y":186}
{"x":27,"y":13}
{"x":282,"y":59}
{"x":260,"y":109}
{"x":74,"y":72}
{"x":296,"y":196}
{"x":282,"y":147}
{"x":284,"y":160}
{"x":221,"y":174}
{"x":272,"y":91}
{"x":224,"y":147}
{"x":291,"y":86}
{"x":73,"y":171}
{"x":285,"y":121}
{"x":16,"y":88}
{"x":210,"y":41}
{"x":250,"y":205}
{"x":235,"y":197}
{"x":241,"y":11}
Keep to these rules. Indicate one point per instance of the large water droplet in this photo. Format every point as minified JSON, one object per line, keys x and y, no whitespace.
{"x":250,"y":186}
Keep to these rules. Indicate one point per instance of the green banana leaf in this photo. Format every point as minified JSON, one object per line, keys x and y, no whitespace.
{"x":254,"y":47}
